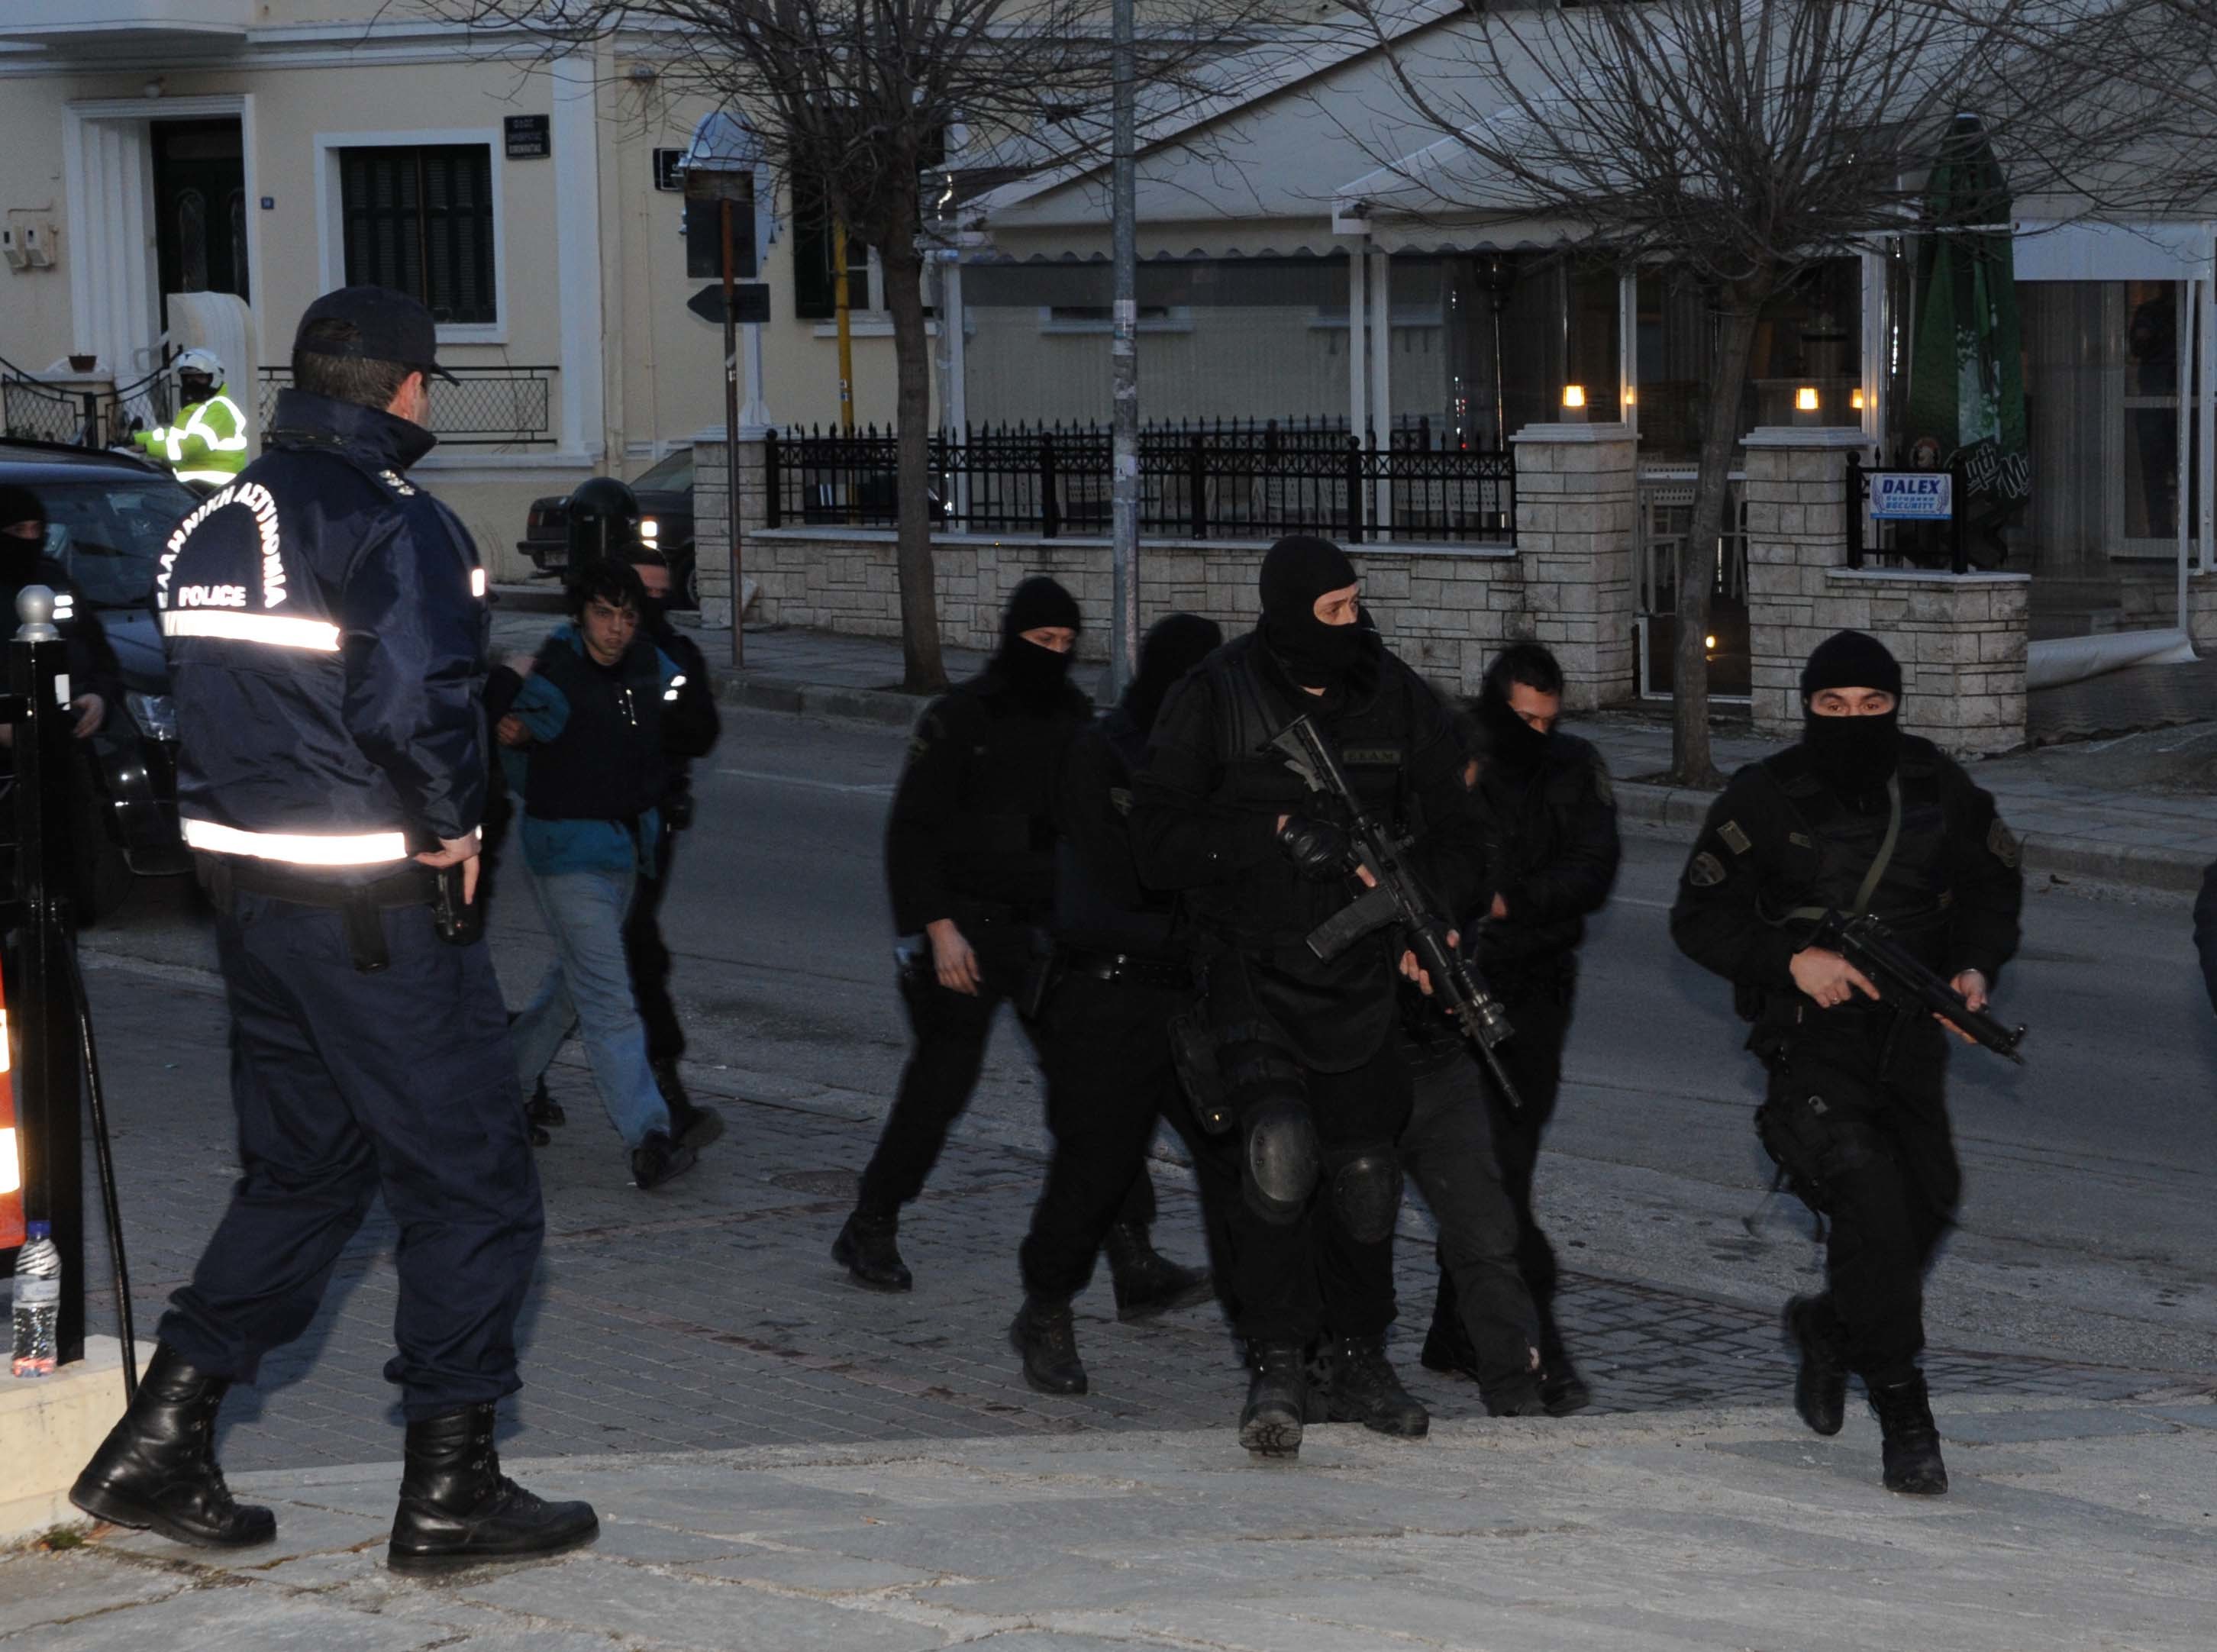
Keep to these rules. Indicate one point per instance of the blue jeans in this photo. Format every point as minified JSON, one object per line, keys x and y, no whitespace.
{"x":588,"y":988}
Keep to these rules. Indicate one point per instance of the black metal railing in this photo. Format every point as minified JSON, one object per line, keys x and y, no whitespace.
{"x":1937,"y":543}
{"x":32,"y":409}
{"x":486,"y":407}
{"x":1226,"y":481}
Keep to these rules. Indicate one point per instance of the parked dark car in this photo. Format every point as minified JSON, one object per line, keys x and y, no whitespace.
{"x":665,"y":499}
{"x":108,"y":518}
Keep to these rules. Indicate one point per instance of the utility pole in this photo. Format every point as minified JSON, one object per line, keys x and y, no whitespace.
{"x":731,"y":429}
{"x":840,"y":298}
{"x":1124,"y":365}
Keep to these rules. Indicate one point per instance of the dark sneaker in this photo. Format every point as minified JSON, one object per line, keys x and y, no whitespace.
{"x":543,"y":1110}
{"x":1562,"y":1390}
{"x":1820,"y":1388}
{"x":1911,"y":1439}
{"x":1277,"y":1400}
{"x":157,"y":1469}
{"x":1043,"y":1334}
{"x":695,"y":1126}
{"x":457,"y":1508}
{"x":657,"y":1159}
{"x":1147,"y":1282}
{"x":866,"y":1249}
{"x":1365,"y":1390}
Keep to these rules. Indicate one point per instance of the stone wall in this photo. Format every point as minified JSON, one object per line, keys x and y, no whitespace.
{"x":1961,"y":637}
{"x":1577,"y":501}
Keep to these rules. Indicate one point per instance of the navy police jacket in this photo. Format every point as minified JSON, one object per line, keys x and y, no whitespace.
{"x":326,"y":627}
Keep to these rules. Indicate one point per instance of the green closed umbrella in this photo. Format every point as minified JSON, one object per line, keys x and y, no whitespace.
{"x":1967,"y":371}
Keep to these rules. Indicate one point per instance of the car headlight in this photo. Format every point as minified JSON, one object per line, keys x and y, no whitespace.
{"x":649,"y":529}
{"x":155,"y":714}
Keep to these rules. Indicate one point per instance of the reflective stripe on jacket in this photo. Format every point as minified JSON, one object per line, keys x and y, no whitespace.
{"x":208,"y":444}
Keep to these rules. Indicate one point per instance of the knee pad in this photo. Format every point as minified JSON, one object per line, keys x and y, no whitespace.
{"x":1366,"y":1190}
{"x":1281,"y":1161}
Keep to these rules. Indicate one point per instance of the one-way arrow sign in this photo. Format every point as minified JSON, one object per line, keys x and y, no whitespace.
{"x":750,"y":303}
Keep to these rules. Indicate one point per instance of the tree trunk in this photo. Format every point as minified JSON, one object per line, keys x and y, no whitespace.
{"x":922,"y":671}
{"x":1691,"y":763}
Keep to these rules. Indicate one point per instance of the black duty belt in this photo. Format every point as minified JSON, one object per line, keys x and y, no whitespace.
{"x":358,"y":904}
{"x":1129,"y":968}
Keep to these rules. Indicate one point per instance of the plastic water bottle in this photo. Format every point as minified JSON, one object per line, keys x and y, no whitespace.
{"x":38,"y":1302}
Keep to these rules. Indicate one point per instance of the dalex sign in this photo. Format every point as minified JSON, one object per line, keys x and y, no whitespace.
{"x":1912,"y":496}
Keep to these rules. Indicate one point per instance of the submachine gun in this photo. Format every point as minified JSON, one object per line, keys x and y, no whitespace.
{"x":1396,"y":900}
{"x":1906,"y":983}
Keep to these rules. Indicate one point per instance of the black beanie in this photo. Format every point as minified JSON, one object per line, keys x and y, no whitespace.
{"x":1038,"y":601}
{"x":1850,"y":659}
{"x":1299,"y":569}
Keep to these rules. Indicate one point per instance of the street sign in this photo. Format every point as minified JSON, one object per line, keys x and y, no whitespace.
{"x":750,"y":303}
{"x":1912,"y":496}
{"x":735,"y":185}
{"x":670,"y":169}
{"x":530,"y":137}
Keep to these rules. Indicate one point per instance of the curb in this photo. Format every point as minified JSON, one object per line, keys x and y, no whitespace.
{"x":882,"y":705}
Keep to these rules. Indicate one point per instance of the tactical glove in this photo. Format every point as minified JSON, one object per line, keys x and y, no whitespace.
{"x":1318,"y":849}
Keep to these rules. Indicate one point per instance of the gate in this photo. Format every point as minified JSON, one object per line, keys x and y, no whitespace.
{"x":1666,"y":509}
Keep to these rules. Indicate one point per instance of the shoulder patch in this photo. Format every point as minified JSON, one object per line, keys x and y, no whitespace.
{"x":1734,"y":839}
{"x":392,"y":480}
{"x":2002,"y":844}
{"x":1705,"y":871}
{"x":1800,"y":839}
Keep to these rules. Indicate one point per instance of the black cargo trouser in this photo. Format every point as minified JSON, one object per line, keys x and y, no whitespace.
{"x":950,"y":1029}
{"x":1106,"y":1048}
{"x":648,"y":954}
{"x":1857,"y":1118}
{"x":1448,"y":1150}
{"x":1540,"y":1011}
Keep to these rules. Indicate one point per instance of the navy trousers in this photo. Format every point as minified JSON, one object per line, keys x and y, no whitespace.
{"x":348,"y":1085}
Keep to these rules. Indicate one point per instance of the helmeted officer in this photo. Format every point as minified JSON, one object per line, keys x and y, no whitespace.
{"x":327,"y":627}
{"x":603,"y":522}
{"x":1122,"y":974}
{"x":1304,"y":1044}
{"x":1547,"y":797}
{"x":1858,"y":818}
{"x":205,"y":445}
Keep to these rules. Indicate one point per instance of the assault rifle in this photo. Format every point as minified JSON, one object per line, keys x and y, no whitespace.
{"x":1396,"y":899}
{"x":1903,"y":981}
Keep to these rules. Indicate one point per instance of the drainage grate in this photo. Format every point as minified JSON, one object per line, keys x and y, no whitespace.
{"x":824,"y":1184}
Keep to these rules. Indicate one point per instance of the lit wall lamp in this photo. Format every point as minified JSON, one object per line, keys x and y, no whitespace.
{"x":1574,"y":404}
{"x":1856,"y":398}
{"x":1806,"y":410}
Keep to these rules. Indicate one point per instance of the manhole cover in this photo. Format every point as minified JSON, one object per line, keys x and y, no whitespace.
{"x":824,"y":1184}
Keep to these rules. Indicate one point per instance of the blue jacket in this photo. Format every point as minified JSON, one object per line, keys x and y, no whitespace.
{"x":327,"y":631}
{"x":573,"y":842}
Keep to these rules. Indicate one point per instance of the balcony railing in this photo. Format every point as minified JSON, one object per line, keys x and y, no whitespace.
{"x":487,"y":407}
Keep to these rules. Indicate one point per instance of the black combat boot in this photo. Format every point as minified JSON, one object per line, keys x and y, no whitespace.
{"x":1042,"y":1333}
{"x":657,"y":1159}
{"x":1365,"y":1390}
{"x":1277,"y":1400}
{"x":691,"y":1124}
{"x":156,"y":1467}
{"x":866,"y":1249}
{"x":1820,"y":1388}
{"x":1147,"y":1282}
{"x":1911,"y":1447}
{"x":458,"y":1509}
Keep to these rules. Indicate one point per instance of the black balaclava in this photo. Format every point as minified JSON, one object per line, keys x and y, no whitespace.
{"x":18,"y":558}
{"x":1034,"y":672}
{"x":1854,"y":755}
{"x":1174,"y":644}
{"x":1510,"y":740}
{"x":1299,"y":569}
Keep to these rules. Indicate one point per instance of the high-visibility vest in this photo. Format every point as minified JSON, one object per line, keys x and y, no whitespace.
{"x":12,"y":1146}
{"x":208,"y":444}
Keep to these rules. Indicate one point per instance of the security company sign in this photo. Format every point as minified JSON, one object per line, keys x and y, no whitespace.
{"x":1912,"y":496}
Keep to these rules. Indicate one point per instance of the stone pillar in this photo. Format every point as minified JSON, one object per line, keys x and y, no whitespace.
{"x":712,"y":530}
{"x":1577,"y":489}
{"x":1961,"y":637}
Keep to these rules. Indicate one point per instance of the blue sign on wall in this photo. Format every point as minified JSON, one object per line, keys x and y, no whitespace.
{"x":1912,"y":496}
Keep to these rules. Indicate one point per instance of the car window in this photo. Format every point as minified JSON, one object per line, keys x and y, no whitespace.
{"x":673,"y":475}
{"x":110,"y":533}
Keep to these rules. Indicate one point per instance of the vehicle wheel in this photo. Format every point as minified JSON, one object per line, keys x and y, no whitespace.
{"x":103,"y":879}
{"x":688,"y":584}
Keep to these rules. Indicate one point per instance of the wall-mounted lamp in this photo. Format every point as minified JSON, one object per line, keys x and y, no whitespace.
{"x":1805,"y":405}
{"x":1574,"y":404}
{"x":1856,"y":398}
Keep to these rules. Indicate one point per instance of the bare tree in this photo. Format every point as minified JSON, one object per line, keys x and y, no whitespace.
{"x":1741,"y":142}
{"x":860,"y":102}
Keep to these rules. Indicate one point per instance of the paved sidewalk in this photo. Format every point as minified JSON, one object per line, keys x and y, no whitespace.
{"x":2068,"y":1527}
{"x":2086,"y":810}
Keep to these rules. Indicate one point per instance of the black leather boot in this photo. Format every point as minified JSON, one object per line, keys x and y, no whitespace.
{"x":1911,"y":1447}
{"x":865,"y":1248}
{"x":1365,"y":1390}
{"x":1042,"y":1333}
{"x":1147,"y":1282}
{"x":157,"y":1469}
{"x":457,"y":1507}
{"x":1277,"y":1400}
{"x":1820,"y":1388}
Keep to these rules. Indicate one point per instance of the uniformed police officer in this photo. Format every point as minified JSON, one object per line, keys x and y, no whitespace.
{"x":1122,"y":974}
{"x":327,"y":630}
{"x":1304,"y":1044}
{"x":205,"y":445}
{"x":1856,"y":818}
{"x":1545,"y":795}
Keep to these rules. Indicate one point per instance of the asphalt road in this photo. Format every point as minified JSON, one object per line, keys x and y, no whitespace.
{"x":2089,"y":1220}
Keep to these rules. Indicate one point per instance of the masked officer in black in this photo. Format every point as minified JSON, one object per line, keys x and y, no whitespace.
{"x":970,"y":863}
{"x":327,"y":628}
{"x":1304,"y":1044}
{"x":1121,"y":973}
{"x":1856,"y":818}
{"x":1546,"y":797}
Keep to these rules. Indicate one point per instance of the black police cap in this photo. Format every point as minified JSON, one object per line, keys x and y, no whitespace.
{"x":388,"y":326}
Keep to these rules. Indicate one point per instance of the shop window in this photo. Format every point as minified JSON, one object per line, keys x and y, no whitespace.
{"x":419,"y":218}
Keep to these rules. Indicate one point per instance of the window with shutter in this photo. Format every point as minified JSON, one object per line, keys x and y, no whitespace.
{"x":418,"y":219}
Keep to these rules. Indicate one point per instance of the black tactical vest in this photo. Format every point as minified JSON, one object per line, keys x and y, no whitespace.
{"x":607,"y":762}
{"x":1830,"y":852}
